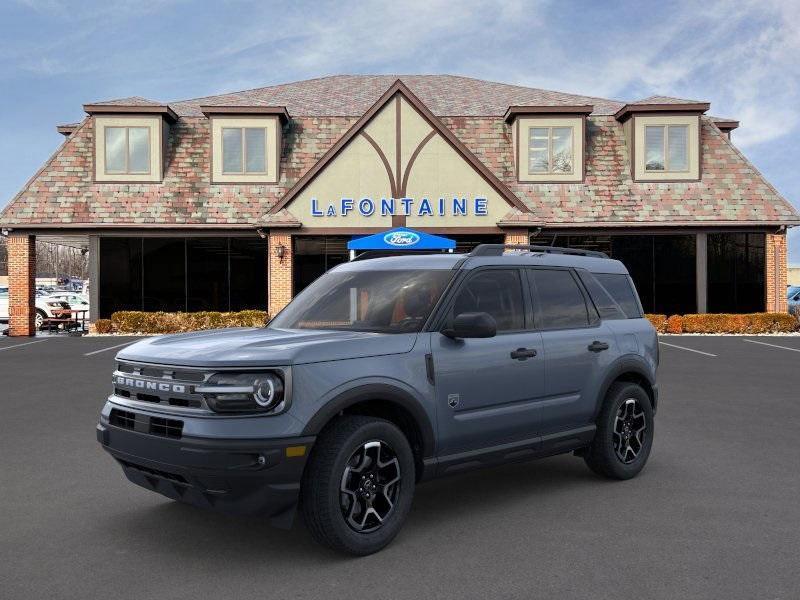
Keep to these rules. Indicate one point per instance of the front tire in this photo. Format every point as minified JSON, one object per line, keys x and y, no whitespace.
{"x":39,"y":318}
{"x":358,"y":486}
{"x":624,"y":434}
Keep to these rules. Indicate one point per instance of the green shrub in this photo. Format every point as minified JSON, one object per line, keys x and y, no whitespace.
{"x":132,"y":321}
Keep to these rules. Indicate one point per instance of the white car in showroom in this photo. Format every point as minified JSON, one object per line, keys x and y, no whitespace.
{"x":75,"y":300}
{"x":47,"y":307}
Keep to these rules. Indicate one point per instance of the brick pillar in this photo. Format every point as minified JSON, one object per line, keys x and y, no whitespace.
{"x":517,"y":236}
{"x":21,"y":284}
{"x":280,"y":271}
{"x":775,"y":273}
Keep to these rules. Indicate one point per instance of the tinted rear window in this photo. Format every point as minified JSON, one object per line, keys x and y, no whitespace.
{"x":622,"y":291}
{"x":605,"y":304}
{"x":561,"y":302}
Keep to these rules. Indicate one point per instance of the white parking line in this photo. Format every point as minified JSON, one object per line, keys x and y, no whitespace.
{"x":110,"y":348}
{"x":20,"y":345}
{"x":688,"y":349}
{"x":771,"y":345}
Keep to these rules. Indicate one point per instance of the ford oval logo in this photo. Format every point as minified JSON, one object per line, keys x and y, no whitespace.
{"x":401,"y":239}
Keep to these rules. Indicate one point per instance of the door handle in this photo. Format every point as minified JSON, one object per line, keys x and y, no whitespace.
{"x":523,"y":353}
{"x":596,"y":346}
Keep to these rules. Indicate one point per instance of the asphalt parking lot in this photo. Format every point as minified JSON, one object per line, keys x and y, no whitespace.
{"x":714,"y":515}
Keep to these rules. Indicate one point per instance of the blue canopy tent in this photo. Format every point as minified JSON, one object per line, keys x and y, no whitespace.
{"x":400,"y":238}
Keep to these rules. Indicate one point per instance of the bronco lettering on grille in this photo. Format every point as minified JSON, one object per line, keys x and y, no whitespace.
{"x":157,"y":386}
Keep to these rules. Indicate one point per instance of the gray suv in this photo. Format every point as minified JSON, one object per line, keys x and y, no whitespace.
{"x":385,"y":372}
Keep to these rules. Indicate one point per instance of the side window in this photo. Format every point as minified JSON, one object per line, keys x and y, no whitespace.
{"x":605,"y":304}
{"x":561,"y":302}
{"x":621,"y":289}
{"x":496,"y":292}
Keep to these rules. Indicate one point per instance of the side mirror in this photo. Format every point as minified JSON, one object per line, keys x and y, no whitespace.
{"x":472,"y":325}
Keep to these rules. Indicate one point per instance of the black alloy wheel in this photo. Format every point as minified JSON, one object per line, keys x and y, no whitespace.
{"x":370,"y":486}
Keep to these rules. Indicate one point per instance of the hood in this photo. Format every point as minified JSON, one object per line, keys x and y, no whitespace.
{"x":240,"y":347}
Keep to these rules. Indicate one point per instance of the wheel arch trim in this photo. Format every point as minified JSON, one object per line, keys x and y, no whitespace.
{"x":622,"y":366}
{"x":385,"y":392}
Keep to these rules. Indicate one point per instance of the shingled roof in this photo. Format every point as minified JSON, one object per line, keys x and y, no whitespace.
{"x":352,"y":95}
{"x":731,"y":191}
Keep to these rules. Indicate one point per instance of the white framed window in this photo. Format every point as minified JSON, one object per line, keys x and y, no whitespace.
{"x":244,"y":150}
{"x":550,"y":150}
{"x":127,"y":150}
{"x":666,"y":148}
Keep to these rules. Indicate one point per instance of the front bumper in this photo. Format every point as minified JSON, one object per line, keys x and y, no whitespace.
{"x":246,"y":477}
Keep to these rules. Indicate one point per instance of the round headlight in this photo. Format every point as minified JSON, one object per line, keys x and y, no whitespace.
{"x":268,"y":391}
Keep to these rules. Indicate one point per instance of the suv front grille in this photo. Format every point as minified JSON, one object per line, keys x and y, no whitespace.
{"x":122,"y":418}
{"x":166,"y":386}
{"x":172,"y":428}
{"x":125,"y":419}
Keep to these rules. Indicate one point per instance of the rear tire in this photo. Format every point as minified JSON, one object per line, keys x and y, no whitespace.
{"x":39,"y":318}
{"x":358,"y":486}
{"x":624,"y":434}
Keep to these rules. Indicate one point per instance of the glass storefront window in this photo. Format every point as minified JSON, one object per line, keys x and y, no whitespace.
{"x":736,"y":272}
{"x":180,"y":274}
{"x":663,"y":267}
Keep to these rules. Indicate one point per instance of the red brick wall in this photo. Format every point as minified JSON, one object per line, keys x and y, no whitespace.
{"x":21,"y":284}
{"x":517,"y":236}
{"x":280,"y":271}
{"x":776,"y":273}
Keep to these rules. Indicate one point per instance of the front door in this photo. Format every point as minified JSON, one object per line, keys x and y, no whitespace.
{"x":487,"y":389}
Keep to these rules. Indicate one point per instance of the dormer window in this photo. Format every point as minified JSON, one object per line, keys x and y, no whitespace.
{"x":550,"y":150}
{"x":127,"y":150}
{"x":129,"y":140}
{"x":663,"y":138}
{"x":548,"y":142}
{"x":244,"y":150}
{"x":245,"y":143}
{"x":666,"y":148}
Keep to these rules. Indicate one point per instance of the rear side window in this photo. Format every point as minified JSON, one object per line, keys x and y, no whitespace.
{"x":497,"y":292}
{"x":621,"y":289}
{"x":560,"y":300}
{"x":605,"y":304}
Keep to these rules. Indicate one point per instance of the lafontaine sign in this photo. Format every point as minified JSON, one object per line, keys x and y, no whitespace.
{"x":422,"y":207}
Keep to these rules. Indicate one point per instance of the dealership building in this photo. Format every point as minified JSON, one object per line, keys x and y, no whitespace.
{"x":240,"y":200}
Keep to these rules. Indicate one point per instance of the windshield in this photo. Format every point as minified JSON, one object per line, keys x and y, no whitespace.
{"x":396,"y":301}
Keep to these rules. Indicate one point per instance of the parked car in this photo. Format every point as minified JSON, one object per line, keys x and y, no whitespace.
{"x":47,"y":307}
{"x":385,"y":372}
{"x":76,"y":301}
{"x":793,"y":297}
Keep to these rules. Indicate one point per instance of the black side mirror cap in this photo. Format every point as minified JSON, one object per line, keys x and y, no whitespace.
{"x":472,"y":325}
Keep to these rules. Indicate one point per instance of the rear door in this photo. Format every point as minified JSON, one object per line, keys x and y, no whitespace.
{"x":577,"y":348}
{"x":487,"y":389}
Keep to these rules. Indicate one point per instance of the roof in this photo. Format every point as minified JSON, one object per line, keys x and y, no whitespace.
{"x":665,"y":100}
{"x":63,"y":194}
{"x":66,"y":129}
{"x":130,"y":101}
{"x":352,"y":95}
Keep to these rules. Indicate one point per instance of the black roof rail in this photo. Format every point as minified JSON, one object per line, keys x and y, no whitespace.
{"x":368,"y":254}
{"x":499,"y":249}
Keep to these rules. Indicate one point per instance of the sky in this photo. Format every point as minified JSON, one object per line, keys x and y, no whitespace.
{"x":742,"y":56}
